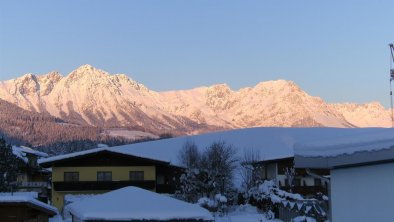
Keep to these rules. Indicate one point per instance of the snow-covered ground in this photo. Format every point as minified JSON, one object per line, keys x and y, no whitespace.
{"x":130,"y":134}
{"x":244,"y":213}
{"x":240,"y":213}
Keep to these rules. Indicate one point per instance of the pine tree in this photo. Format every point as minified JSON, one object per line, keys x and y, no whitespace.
{"x":8,"y":166}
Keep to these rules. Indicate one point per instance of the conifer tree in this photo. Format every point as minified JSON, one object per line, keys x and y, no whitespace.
{"x":8,"y":166}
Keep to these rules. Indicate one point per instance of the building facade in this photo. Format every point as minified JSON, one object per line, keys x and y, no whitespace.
{"x":289,"y":178}
{"x":361,"y":168}
{"x":32,"y":177}
{"x":101,"y":171}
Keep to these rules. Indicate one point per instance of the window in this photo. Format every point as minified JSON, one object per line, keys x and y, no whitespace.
{"x":318,"y":182}
{"x":71,"y":176}
{"x":32,"y":160}
{"x":297,"y":182}
{"x":161,"y":179}
{"x":136,"y":175}
{"x":104,"y":176}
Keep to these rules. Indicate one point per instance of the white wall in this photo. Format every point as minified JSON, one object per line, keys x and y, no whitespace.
{"x":363,"y":193}
{"x":272,"y":171}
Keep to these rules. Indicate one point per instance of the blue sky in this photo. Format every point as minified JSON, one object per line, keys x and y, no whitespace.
{"x":337,"y":50}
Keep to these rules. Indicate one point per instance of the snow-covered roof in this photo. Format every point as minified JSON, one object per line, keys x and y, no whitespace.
{"x":21,"y":151}
{"x":86,"y":152}
{"x":363,"y":147}
{"x":271,"y":143}
{"x":30,"y":194}
{"x":26,"y":199}
{"x":132,"y":203}
{"x":71,"y":198}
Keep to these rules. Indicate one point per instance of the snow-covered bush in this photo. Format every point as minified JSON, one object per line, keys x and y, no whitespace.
{"x":303,"y":219}
{"x":268,"y":196}
{"x":268,"y":190}
{"x":216,"y":204}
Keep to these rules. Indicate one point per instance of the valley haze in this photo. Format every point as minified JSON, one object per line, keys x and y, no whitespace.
{"x":90,"y":96}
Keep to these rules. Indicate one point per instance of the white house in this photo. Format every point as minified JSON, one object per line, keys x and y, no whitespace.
{"x":362,"y":173}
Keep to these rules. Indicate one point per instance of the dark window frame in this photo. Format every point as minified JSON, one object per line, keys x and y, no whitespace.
{"x":138,"y":177}
{"x":297,"y":182}
{"x":72,"y":178}
{"x":105,"y":174}
{"x":317,"y":182}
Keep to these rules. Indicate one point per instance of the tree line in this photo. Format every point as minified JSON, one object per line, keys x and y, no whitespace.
{"x":50,"y":134}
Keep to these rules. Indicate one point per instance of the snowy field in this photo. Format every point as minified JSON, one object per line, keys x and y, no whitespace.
{"x":130,"y":134}
{"x":244,"y":213}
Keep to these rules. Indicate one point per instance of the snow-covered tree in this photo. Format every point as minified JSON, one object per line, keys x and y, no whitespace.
{"x":208,"y":174}
{"x":290,"y":175}
{"x":9,"y":166}
{"x":219,"y":162}
{"x":189,"y":156}
{"x":250,"y":171}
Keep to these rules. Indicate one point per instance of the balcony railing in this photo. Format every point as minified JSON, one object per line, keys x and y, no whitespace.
{"x":102,"y":185}
{"x":306,"y":190}
{"x":38,"y":184}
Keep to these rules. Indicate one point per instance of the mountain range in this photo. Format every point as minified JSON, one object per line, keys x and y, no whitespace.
{"x":90,"y":96}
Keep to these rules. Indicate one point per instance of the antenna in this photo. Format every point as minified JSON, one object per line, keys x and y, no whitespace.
{"x":391,"y":80}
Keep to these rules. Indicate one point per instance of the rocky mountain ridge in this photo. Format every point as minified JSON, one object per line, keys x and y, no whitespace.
{"x":94,"y":97}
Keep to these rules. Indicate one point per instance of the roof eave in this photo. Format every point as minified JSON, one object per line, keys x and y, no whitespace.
{"x":51,"y":163}
{"x":345,"y":160}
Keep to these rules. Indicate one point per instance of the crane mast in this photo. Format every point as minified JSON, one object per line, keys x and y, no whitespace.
{"x":391,"y":80}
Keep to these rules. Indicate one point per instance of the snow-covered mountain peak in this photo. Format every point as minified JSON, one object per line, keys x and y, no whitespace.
{"x":87,"y":70}
{"x":374,"y":105}
{"x":26,"y":84}
{"x":278,"y":84}
{"x":222,"y":88}
{"x":27,"y":77}
{"x":85,"y":67}
{"x":122,"y":76}
{"x":124,"y":80}
{"x":92,"y":96}
{"x":87,"y":75}
{"x":51,"y":76}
